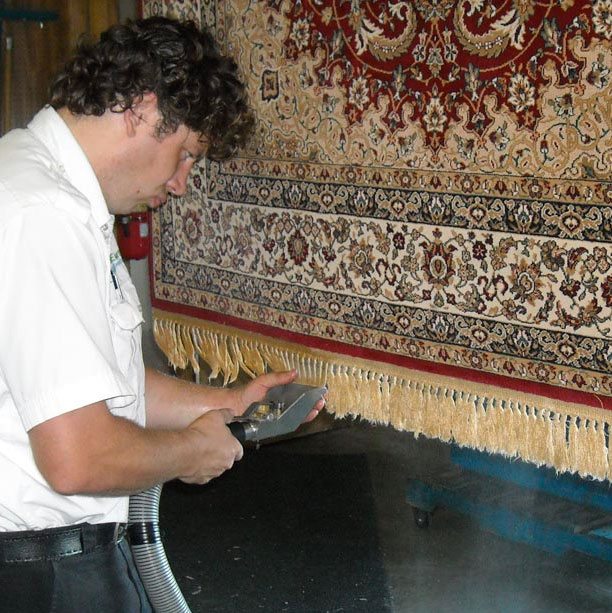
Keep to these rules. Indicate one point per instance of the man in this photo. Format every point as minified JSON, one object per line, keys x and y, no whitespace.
{"x":129,"y":117}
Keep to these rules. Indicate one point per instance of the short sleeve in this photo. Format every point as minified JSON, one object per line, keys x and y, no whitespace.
{"x":56,"y":351}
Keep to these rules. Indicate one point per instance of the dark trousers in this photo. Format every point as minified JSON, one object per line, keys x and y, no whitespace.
{"x":104,"y":580}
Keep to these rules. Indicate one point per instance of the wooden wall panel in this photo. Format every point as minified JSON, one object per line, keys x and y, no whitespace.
{"x":28,"y":69}
{"x":31,"y":55}
{"x":101,"y":15}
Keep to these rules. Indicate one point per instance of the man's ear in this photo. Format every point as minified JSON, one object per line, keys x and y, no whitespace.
{"x":142,"y":113}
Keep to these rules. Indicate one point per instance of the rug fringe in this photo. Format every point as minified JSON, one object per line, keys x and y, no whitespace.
{"x":562,"y":435}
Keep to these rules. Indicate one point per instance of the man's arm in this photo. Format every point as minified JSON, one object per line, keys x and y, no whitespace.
{"x":174,"y":403}
{"x":90,"y":451}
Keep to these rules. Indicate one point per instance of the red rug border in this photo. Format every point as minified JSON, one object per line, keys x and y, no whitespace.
{"x":519,"y":385}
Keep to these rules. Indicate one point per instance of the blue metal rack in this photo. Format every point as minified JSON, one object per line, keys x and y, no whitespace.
{"x":557,"y":513}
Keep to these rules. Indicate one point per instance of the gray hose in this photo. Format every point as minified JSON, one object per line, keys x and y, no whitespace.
{"x":148,"y":550}
{"x":164,"y":593}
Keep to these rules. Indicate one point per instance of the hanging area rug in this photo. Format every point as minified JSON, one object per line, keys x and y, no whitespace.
{"x":422,"y":220}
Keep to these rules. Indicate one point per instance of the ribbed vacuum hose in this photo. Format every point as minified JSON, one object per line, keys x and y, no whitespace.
{"x":148,"y":550}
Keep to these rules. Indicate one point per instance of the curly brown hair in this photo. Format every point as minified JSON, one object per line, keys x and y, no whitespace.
{"x":181,"y":64}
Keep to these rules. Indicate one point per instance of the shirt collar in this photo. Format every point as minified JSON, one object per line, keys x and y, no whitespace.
{"x":51,"y":129}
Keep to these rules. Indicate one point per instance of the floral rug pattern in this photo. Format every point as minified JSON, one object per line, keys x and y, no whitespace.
{"x":429,"y":179}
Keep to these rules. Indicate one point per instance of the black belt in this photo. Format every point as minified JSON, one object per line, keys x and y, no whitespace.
{"x":56,"y":543}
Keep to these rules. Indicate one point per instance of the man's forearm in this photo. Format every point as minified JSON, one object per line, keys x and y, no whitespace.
{"x":173,"y":403}
{"x":135,"y":459}
{"x":90,"y":451}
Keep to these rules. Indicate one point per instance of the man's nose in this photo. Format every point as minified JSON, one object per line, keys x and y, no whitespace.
{"x":177,"y":185}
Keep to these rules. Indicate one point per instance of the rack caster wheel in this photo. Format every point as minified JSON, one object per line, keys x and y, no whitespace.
{"x":422,"y":518}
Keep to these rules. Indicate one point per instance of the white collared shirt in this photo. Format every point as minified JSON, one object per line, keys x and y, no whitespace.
{"x":70,"y":332}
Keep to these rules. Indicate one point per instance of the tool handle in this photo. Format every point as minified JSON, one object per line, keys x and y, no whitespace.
{"x":237,"y":428}
{"x":243,"y":430}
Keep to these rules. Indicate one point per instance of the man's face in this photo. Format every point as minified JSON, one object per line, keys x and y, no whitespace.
{"x":152,"y":166}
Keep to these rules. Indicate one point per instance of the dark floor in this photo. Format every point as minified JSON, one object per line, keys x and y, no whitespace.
{"x":453,"y":565}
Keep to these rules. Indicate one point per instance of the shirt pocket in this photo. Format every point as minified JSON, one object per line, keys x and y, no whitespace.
{"x":126,"y":318}
{"x":125,"y":315}
{"x":125,"y":321}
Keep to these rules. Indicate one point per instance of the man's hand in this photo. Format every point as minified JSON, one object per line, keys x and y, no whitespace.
{"x":256,"y":390}
{"x":215,"y":448}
